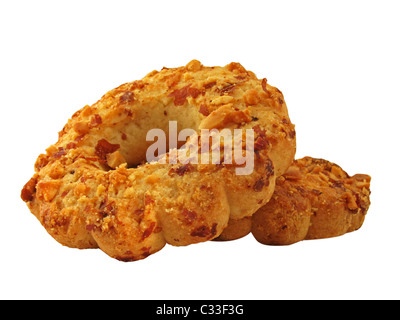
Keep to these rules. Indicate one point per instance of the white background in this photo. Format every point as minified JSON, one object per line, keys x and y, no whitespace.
{"x":337,"y":63}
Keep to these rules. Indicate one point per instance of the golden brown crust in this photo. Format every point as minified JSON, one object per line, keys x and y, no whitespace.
{"x":314,"y":199}
{"x":93,"y":188}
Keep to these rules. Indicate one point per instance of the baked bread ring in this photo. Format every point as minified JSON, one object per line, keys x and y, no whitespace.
{"x":95,"y":189}
{"x":314,"y":199}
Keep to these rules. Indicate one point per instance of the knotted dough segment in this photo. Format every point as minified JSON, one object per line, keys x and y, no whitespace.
{"x":314,"y":199}
{"x":94,"y":188}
